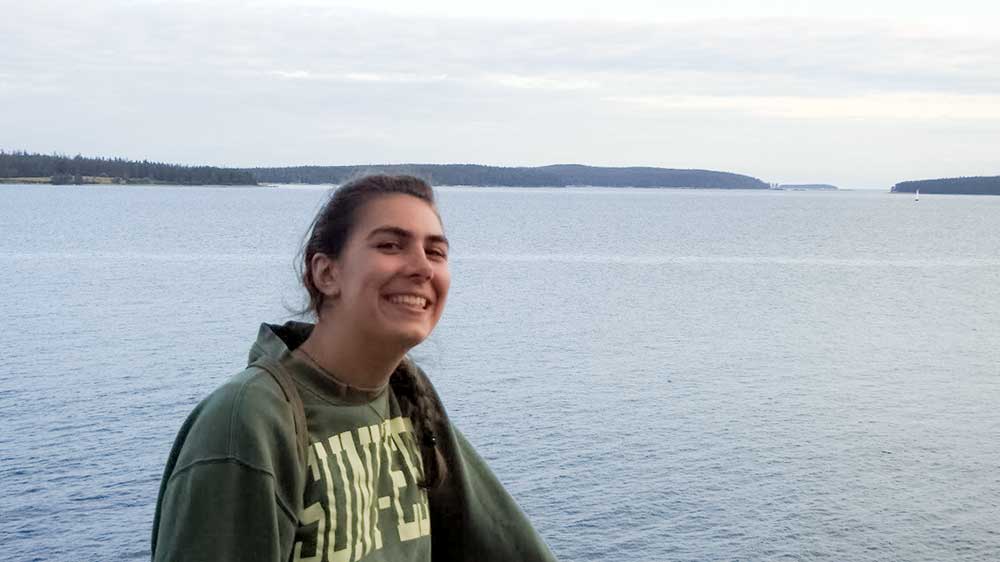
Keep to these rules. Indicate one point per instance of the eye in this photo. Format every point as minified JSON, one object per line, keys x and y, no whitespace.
{"x":437,"y":253}
{"x":389,"y":246}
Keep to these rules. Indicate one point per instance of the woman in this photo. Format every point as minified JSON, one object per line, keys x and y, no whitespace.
{"x":332,"y":445}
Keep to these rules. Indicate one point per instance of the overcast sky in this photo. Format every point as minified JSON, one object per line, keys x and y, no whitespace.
{"x":852,"y":94}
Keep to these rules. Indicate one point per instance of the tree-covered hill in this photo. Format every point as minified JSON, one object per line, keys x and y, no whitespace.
{"x":982,"y":185}
{"x":43,"y":168}
{"x":544,"y":176}
{"x":79,"y":169}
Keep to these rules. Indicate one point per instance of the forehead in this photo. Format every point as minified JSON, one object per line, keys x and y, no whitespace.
{"x":399,"y":211}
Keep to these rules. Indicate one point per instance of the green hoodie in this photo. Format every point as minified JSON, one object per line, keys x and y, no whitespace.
{"x":235,"y":489}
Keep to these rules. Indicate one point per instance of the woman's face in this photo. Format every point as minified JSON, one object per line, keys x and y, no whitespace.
{"x":392,"y":275}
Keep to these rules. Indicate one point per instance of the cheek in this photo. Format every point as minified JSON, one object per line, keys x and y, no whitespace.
{"x":370,"y":276}
{"x":443,"y":278}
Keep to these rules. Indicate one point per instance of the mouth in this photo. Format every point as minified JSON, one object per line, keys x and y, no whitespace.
{"x":414,"y":302}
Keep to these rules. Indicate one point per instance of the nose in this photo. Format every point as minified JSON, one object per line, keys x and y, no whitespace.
{"x":420,"y":266}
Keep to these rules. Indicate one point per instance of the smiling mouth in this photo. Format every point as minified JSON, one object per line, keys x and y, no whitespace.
{"x":411,"y":301}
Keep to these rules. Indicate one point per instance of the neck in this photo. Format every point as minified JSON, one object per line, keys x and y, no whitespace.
{"x":355,"y":363}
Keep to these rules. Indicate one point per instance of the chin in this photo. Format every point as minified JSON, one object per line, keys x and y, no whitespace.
{"x":411,"y":338}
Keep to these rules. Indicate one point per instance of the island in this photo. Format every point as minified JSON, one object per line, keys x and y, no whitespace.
{"x":979,"y":185}
{"x":559,"y":175}
{"x":23,"y":167}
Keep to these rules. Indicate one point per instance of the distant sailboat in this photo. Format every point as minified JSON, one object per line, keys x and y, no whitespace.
{"x":916,"y":197}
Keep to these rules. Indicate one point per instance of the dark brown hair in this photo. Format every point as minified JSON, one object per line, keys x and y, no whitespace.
{"x":329,"y":233}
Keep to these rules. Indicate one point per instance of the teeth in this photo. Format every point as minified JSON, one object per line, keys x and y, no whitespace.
{"x":409,"y":300}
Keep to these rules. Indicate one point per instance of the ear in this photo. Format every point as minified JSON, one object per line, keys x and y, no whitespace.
{"x":326,"y":275}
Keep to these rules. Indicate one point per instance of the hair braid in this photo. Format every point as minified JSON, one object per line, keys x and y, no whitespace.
{"x":427,"y":417}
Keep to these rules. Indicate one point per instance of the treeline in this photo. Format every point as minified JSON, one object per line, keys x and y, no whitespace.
{"x":544,"y":176}
{"x":79,"y":169}
{"x":980,"y":185}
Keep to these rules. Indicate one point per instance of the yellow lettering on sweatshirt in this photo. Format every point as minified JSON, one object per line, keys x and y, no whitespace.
{"x":355,"y":483}
{"x":313,"y":514}
{"x":344,"y":554}
{"x":370,"y":437}
{"x":405,"y":443}
{"x":352,"y":477}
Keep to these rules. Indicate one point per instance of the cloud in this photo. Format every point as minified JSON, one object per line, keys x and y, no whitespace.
{"x":778,"y":57}
{"x":529,"y":82}
{"x":914,"y":106}
{"x":383,"y":78}
{"x":266,"y":82}
{"x":295,"y":74}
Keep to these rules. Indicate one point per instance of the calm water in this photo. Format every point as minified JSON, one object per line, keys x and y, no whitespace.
{"x":655,"y":374}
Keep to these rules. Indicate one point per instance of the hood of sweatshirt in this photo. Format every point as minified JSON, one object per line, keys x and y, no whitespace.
{"x":278,"y":341}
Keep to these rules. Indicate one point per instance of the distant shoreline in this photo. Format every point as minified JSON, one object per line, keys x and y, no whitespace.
{"x":104,"y":180}
{"x":79,"y":170}
{"x":978,"y":185}
{"x":55,"y":169}
{"x":24,"y":168}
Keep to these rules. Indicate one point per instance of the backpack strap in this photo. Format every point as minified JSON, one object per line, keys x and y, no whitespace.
{"x":287,"y":384}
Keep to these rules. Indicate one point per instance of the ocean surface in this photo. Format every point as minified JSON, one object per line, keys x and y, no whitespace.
{"x":655,"y":375}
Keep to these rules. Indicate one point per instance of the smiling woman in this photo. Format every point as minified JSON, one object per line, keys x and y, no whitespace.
{"x":391,"y":279}
{"x":332,"y":445}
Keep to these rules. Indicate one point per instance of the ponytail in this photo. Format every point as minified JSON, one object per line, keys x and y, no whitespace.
{"x":427,"y":416}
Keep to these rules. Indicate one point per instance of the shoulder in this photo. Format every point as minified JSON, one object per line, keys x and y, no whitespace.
{"x":247,"y":421}
{"x":239,"y":444}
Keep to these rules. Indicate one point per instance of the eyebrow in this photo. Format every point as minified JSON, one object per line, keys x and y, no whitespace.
{"x":403,"y":233}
